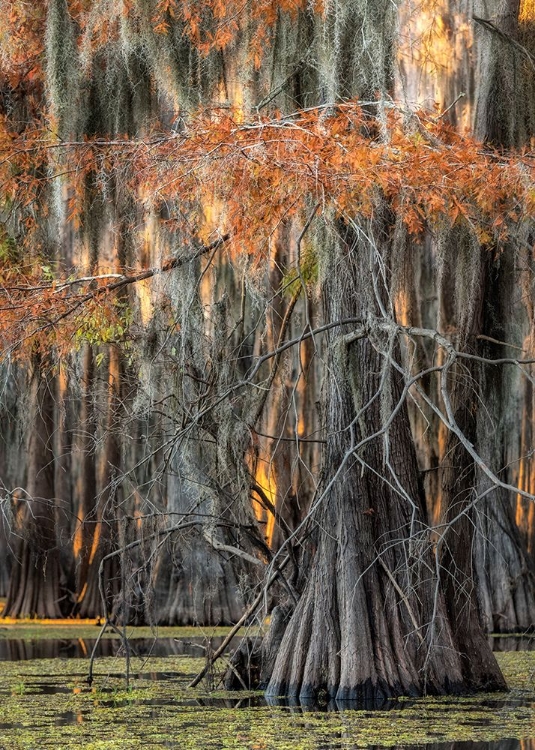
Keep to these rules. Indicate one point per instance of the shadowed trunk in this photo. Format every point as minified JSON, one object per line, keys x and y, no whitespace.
{"x":105,"y":515}
{"x":12,"y":468}
{"x":460,"y":583}
{"x":63,"y":470}
{"x":5,"y":554}
{"x":199,"y":586}
{"x":34,"y":588}
{"x":505,"y":570}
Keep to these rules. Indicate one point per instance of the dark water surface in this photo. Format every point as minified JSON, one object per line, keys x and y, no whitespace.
{"x":513,"y":643}
{"x":20,"y":649}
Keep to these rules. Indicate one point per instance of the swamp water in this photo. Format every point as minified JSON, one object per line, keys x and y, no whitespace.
{"x":46,"y":702}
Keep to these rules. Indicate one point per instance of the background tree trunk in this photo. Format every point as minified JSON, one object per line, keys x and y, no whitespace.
{"x":505,"y":571}
{"x":85,"y":489}
{"x":107,"y":501}
{"x":34,"y":587}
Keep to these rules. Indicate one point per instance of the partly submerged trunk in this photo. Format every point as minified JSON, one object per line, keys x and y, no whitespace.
{"x":371,"y":623}
{"x":194,"y":583}
{"x":34,"y":589}
{"x":200,"y":578}
{"x":499,"y":100}
{"x":459,"y":378}
{"x":456,"y":542}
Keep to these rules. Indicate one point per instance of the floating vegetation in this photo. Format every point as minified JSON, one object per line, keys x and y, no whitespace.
{"x":47,"y":703}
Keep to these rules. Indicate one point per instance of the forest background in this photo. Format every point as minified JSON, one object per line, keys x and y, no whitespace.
{"x":267,"y":327}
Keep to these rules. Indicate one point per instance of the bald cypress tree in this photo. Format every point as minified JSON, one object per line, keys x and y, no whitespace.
{"x":179,"y":428}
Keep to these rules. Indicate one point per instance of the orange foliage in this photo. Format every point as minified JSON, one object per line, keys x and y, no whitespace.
{"x":267,"y":170}
{"x":262,"y":172}
{"x":209,"y":24}
{"x":214,"y":24}
{"x":21,"y":40}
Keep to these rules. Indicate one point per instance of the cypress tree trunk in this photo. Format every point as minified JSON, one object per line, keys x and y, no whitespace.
{"x":198,"y":582}
{"x":34,"y":587}
{"x":85,"y":489}
{"x":485,"y":548}
{"x":5,"y":556}
{"x":105,"y":513}
{"x":12,"y":468}
{"x":372,"y":623}
{"x":499,"y":101}
{"x":459,"y":478}
{"x":63,"y":471}
{"x":505,"y":571}
{"x":196,"y":586}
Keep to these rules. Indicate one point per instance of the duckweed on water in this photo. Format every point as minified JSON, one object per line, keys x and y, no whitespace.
{"x":48,"y":704}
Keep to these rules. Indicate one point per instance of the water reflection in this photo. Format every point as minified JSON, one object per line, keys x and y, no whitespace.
{"x":394,"y":707}
{"x":307,"y":705}
{"x":513,"y":643}
{"x":18,"y":649}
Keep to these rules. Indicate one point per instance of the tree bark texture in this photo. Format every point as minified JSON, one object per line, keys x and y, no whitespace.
{"x":34,"y":588}
{"x":372,"y":621}
{"x":505,"y":570}
{"x":104,"y":516}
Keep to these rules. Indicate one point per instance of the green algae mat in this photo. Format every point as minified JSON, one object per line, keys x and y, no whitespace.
{"x":47,"y":703}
